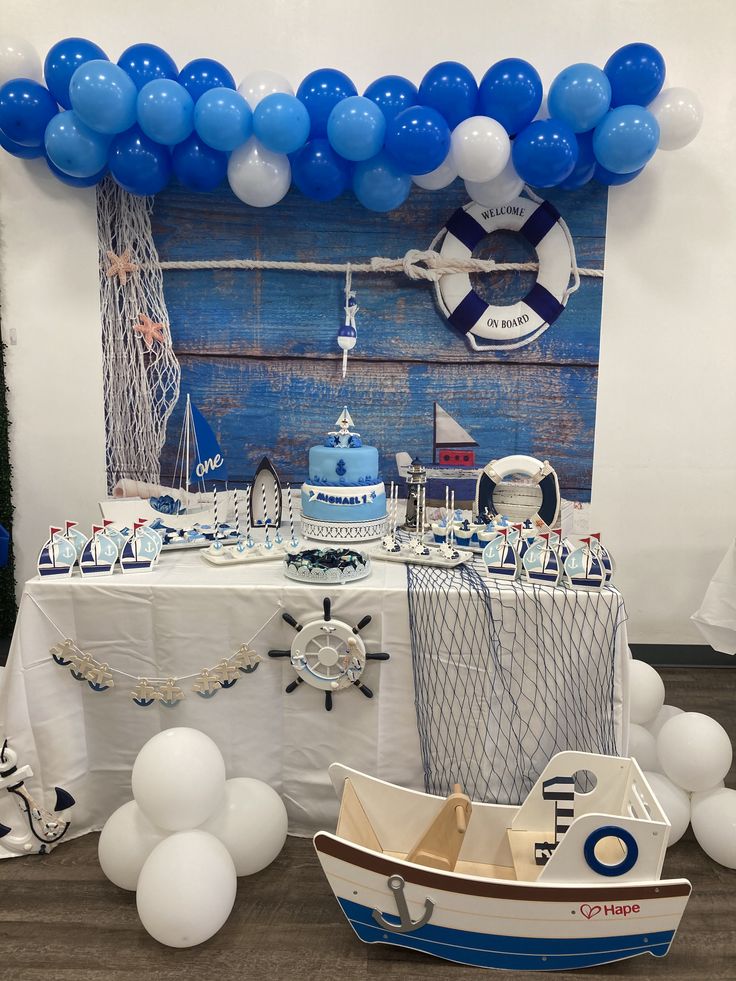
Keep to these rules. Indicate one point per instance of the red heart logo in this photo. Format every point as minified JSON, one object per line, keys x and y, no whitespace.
{"x":589,"y":911}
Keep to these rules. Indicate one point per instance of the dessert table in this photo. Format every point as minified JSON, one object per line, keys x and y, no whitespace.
{"x":187,"y":615}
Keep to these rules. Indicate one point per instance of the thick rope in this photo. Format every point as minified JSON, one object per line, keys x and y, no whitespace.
{"x":426,"y":264}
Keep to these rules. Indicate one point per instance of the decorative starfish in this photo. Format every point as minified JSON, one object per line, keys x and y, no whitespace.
{"x":149,"y":330}
{"x":121,"y":266}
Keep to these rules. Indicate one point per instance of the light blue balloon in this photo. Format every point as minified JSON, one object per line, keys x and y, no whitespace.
{"x":103,"y":97}
{"x":281,"y":122}
{"x":222,"y":118}
{"x":355,"y":128}
{"x":580,"y":96}
{"x":165,"y":111}
{"x":626,"y":139}
{"x":379,"y":185}
{"x":73,"y":147}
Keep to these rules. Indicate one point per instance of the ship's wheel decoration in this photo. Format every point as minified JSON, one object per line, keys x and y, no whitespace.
{"x":328,"y":654}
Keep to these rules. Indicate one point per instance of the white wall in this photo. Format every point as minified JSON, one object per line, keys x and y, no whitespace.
{"x":665,"y":471}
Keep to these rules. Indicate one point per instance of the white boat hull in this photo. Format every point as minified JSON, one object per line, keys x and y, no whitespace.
{"x":500,"y":923}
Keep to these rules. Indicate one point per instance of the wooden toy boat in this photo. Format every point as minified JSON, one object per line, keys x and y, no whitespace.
{"x":567,"y":880}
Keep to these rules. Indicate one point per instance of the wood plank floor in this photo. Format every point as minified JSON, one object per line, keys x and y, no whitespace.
{"x":60,"y":920}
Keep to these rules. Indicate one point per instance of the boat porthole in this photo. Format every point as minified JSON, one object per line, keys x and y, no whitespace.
{"x":615,"y":868}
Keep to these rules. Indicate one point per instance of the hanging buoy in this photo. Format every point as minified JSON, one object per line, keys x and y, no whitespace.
{"x":347,"y":336}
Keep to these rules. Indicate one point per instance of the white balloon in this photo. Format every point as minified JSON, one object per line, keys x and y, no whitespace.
{"x":680,"y":116}
{"x":251,"y":824}
{"x":127,"y":839}
{"x":714,"y":824}
{"x":675,"y":803}
{"x":186,"y":889}
{"x":665,"y":713}
{"x":694,"y":750}
{"x":438,"y":178}
{"x":257,"y":175}
{"x":257,"y":85}
{"x":502,"y":189}
{"x":179,"y":778}
{"x":646,"y":692}
{"x":18,"y":59}
{"x":480,"y":148}
{"x":643,"y":747}
{"x":697,"y":795}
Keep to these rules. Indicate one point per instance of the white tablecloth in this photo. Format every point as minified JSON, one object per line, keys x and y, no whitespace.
{"x":716,"y":618}
{"x":187,"y":615}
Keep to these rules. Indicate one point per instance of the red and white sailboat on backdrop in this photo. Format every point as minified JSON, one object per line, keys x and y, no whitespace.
{"x":453,"y":459}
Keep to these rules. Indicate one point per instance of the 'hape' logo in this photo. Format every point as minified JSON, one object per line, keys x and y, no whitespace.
{"x":589,"y":911}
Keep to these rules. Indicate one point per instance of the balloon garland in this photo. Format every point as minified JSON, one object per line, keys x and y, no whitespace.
{"x":144,"y":121}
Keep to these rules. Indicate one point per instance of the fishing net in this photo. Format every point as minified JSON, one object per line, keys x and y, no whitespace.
{"x":506,"y":675}
{"x":141,"y":384}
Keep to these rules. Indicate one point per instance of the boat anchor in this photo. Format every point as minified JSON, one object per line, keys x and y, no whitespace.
{"x":406,"y":924}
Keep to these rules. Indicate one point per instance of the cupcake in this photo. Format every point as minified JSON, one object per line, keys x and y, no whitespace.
{"x":463,"y":533}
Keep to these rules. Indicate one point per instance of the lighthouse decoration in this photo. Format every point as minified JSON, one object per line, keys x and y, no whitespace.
{"x":416,"y":480}
{"x":347,"y":336}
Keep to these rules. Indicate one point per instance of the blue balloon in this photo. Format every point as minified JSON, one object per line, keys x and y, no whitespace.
{"x":76,"y":181}
{"x":356,"y":127}
{"x":198,"y":166}
{"x":418,"y":140}
{"x":146,"y":62}
{"x":392,"y":93}
{"x":320,"y":92}
{"x":583,"y":170}
{"x":18,"y":150}
{"x":626,"y":139}
{"x":452,"y":90}
{"x":138,"y":164}
{"x":636,"y":73}
{"x":281,"y":123}
{"x":223,"y":119}
{"x":580,"y":96}
{"x":26,"y":109}
{"x":203,"y":74}
{"x":379,"y":185}
{"x":76,"y":149}
{"x":511,"y":93}
{"x":604,"y":176}
{"x":103,"y":97}
{"x":545,"y":153}
{"x":165,"y":111}
{"x":63,"y":60}
{"x":319,"y":172}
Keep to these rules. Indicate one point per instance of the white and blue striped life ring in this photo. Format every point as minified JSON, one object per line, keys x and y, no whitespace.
{"x":505,"y":328}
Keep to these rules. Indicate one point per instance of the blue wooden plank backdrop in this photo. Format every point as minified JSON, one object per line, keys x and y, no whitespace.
{"x":259,"y":356}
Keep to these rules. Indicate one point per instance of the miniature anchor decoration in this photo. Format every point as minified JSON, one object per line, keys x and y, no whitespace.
{"x":396,"y":884}
{"x":328,"y":654}
{"x":45,"y":827}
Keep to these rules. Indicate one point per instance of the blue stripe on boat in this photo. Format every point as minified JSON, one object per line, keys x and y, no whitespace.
{"x":513,"y":953}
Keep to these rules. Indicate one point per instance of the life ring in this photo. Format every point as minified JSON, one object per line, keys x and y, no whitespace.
{"x":509,"y":327}
{"x":540,"y":473}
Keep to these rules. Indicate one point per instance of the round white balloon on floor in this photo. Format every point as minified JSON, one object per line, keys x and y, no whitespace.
{"x":714,"y":824}
{"x":666,"y":713}
{"x":251,"y":824}
{"x":646,"y":692}
{"x":179,"y":778}
{"x":694,"y":751}
{"x":186,"y":889}
{"x":643,"y":747}
{"x":697,"y":795}
{"x":127,"y":839}
{"x":675,"y":803}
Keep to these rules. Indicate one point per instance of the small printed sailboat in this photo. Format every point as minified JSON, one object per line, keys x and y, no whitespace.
{"x":566,"y":880}
{"x":58,"y":555}
{"x":75,"y":536}
{"x":99,"y":555}
{"x":501,"y":558}
{"x":453,"y":453}
{"x":603,"y":554}
{"x":583,"y":568}
{"x":265,"y":497}
{"x":541,"y":562}
{"x":139,"y":552}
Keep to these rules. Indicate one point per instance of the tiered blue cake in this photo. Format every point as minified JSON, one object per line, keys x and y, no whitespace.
{"x":344,"y":498}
